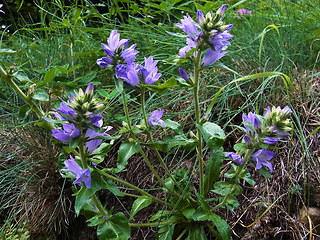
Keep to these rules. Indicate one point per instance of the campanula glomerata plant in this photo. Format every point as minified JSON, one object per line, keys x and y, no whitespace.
{"x":185,"y":209}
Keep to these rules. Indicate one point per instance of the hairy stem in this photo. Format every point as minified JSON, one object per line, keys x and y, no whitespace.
{"x":197,"y":68}
{"x":139,"y":190}
{"x":141,"y":150}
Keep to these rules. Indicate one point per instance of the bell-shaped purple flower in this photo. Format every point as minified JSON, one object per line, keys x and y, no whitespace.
{"x":201,"y":18}
{"x":130,"y":75}
{"x":65,"y":109}
{"x":261,"y":157}
{"x":190,"y":45}
{"x":92,"y":143}
{"x":82,"y":175}
{"x":155,"y":118}
{"x":149,"y":71}
{"x":96,"y":120}
{"x":220,"y":40}
{"x":221,"y":10}
{"x":251,"y":118}
{"x":69,"y":131}
{"x":235,"y":157}
{"x":270,"y":140}
{"x":184,"y":75}
{"x":189,"y":27}
{"x":117,"y":51}
{"x":211,"y":57}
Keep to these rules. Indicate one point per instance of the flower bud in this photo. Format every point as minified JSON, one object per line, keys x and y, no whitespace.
{"x":85,"y":106}
{"x":201,"y":18}
{"x":221,"y":10}
{"x":89,"y":92}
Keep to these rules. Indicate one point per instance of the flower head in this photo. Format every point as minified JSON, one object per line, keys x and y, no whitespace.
{"x":129,"y":74}
{"x":155,"y":118}
{"x":235,"y":157}
{"x":209,"y":33}
{"x":184,"y":75}
{"x":243,"y":11}
{"x":149,"y":71}
{"x":211,"y":57}
{"x":261,"y":157}
{"x":67,"y":111}
{"x":92,"y":143}
{"x":117,"y":51}
{"x":189,"y":27}
{"x":82,"y":175}
{"x":69,"y":131}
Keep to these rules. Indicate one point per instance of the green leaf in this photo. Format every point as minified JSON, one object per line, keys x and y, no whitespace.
{"x":24,"y":111}
{"x":240,"y":147}
{"x":188,"y":212}
{"x":103,"y":93}
{"x":139,"y":204}
{"x":66,"y":22}
{"x":160,"y":215}
{"x":222,"y":226}
{"x":50,"y":75}
{"x":224,"y":188}
{"x":224,"y":67}
{"x":119,"y":84}
{"x":167,"y":235}
{"x":213,"y":169}
{"x":74,"y":68}
{"x":112,"y":187}
{"x":212,"y":134}
{"x":22,"y":77}
{"x":4,"y":51}
{"x":41,"y":95}
{"x":176,"y":127}
{"x":173,"y":141}
{"x":160,"y":89}
{"x":114,"y":228}
{"x":232,"y":203}
{"x":264,"y":172}
{"x":61,"y":69}
{"x":196,"y":232}
{"x":85,"y":194}
{"x":82,"y":196}
{"x":126,"y":150}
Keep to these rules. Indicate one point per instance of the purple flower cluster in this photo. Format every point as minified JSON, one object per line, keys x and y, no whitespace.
{"x":82,"y":175}
{"x":117,"y":51}
{"x":209,"y":33}
{"x":133,"y":73}
{"x":264,"y":130}
{"x":122,"y":59}
{"x":81,"y":113}
{"x":243,"y":11}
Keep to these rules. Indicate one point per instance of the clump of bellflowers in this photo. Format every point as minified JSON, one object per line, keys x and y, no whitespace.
{"x":208,"y":34}
{"x":117,"y":51}
{"x":263,"y":132}
{"x":135,"y":74}
{"x":82,"y":120}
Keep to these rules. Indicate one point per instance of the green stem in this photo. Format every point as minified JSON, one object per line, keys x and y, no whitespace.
{"x":99,"y":205}
{"x":151,"y":140}
{"x":8,"y":79}
{"x":153,"y":224}
{"x":96,"y":200}
{"x":245,"y":159}
{"x":141,"y":151}
{"x":125,"y":183}
{"x":196,"y":87}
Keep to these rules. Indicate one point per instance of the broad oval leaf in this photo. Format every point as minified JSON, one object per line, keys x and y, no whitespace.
{"x":139,"y":204}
